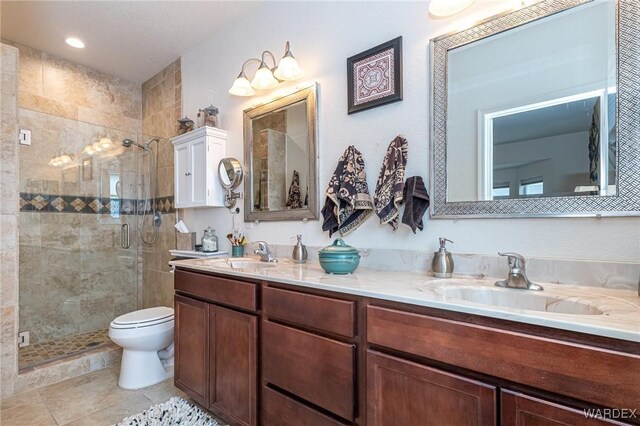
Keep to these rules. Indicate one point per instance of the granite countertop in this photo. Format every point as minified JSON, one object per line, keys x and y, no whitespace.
{"x":617,"y":311}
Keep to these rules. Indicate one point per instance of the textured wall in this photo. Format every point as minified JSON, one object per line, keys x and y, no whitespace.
{"x":75,"y":277}
{"x":321,"y":45}
{"x":161,"y":108}
{"x":8,"y":219}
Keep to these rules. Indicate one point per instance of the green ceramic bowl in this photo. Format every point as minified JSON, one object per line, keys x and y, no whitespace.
{"x":339,"y":258}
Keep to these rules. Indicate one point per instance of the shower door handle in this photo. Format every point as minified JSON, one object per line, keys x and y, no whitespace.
{"x":124,"y":236}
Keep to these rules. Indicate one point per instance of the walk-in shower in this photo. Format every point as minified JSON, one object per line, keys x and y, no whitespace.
{"x":76,"y":275}
{"x":149,"y":194}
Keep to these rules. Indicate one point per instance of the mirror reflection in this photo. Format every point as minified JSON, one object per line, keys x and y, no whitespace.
{"x":532,"y":111}
{"x":280,"y":149}
{"x":281,"y":159}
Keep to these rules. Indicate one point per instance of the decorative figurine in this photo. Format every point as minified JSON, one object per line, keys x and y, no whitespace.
{"x":208,"y":116}
{"x":185,"y":125}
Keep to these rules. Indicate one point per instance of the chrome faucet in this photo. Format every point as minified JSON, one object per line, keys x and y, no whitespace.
{"x":517,"y":274}
{"x":264,"y":252}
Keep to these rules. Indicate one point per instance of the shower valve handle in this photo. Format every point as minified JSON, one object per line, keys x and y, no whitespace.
{"x":188,"y":174}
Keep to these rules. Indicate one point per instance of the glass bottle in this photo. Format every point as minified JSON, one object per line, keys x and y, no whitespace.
{"x":209,"y":240}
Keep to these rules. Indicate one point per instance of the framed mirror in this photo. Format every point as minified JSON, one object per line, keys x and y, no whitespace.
{"x":536,"y":112}
{"x":280,"y":150}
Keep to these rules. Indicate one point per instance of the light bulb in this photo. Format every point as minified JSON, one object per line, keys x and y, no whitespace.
{"x":64,"y":159}
{"x":241,"y":86}
{"x":264,"y":78}
{"x":88,"y":150}
{"x":288,"y":69}
{"x":105,"y":143}
{"x":96,"y":147}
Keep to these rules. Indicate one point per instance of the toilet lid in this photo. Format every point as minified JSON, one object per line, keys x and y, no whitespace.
{"x":144,"y":316}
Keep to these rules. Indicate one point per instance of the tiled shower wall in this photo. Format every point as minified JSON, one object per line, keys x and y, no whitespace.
{"x":74,"y":276}
{"x":68,"y":230}
{"x":161,"y":108}
{"x":8,"y":219}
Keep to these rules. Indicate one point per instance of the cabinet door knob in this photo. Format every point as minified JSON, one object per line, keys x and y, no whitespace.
{"x":188,"y":174}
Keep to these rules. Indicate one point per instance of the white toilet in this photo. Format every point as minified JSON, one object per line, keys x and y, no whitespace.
{"x":146,"y":338}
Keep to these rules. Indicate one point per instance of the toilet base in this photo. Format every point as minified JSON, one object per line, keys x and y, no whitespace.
{"x":142,"y":369}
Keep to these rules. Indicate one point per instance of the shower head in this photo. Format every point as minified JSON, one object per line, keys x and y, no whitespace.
{"x":128,"y":142}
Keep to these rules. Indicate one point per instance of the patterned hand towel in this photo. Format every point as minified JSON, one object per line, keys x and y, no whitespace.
{"x":416,"y":200}
{"x":294,"y":200}
{"x":348,"y":203}
{"x":388,"y":195}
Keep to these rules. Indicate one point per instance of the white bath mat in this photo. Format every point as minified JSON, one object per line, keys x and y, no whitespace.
{"x":176,"y":411}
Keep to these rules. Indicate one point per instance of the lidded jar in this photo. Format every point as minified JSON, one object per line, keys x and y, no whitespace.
{"x":209,"y":240}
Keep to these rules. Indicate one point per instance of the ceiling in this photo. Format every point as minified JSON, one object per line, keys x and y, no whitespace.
{"x":130,"y":39}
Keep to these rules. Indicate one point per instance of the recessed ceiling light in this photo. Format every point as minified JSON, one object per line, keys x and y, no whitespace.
{"x":74,"y":42}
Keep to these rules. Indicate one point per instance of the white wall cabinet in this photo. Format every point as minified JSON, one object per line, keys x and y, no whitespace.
{"x":196,"y":157}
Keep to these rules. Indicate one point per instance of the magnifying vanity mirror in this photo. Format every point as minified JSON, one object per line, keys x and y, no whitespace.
{"x":230,"y":172}
{"x":280,"y":146}
{"x":536,"y":113}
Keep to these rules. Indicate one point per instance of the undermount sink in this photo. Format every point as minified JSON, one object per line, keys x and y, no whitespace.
{"x":519,"y":299}
{"x":248,"y":265}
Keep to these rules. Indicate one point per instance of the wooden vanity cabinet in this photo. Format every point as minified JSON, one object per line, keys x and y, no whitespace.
{"x":561,"y":370}
{"x":308,"y":351}
{"x":216,"y":345}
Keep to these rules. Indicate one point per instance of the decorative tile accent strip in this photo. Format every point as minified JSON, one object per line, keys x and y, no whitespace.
{"x":91,"y":205}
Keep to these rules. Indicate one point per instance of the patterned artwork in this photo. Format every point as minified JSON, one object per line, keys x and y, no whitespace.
{"x":375,"y":76}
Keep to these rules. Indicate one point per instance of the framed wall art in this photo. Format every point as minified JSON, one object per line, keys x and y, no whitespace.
{"x":375,"y":76}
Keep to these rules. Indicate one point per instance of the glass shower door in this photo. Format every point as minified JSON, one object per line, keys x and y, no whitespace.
{"x":78,"y":269}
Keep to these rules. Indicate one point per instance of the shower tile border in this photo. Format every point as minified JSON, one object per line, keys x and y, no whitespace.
{"x":54,"y":203}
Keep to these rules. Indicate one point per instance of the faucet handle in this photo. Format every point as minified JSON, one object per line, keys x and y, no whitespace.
{"x":515,"y":260}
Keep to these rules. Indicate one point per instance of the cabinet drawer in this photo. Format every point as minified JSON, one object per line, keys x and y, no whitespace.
{"x":280,"y":410}
{"x":322,"y":313}
{"x":523,"y":410}
{"x":601,"y":376}
{"x":315,"y":368}
{"x":222,"y":290}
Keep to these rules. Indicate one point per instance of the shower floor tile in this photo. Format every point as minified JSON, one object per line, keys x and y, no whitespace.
{"x":40,"y":353}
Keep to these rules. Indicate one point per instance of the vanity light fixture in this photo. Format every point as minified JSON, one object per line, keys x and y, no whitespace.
{"x":74,"y":42}
{"x":265,"y":77}
{"x":63,"y":157}
{"x":104,"y":144}
{"x":443,"y":8}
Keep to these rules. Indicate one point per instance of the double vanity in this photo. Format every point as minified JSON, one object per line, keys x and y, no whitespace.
{"x":287,"y":344}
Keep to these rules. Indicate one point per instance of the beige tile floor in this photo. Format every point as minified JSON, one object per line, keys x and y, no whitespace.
{"x":92,"y":399}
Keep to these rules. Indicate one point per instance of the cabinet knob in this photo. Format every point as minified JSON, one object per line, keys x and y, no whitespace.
{"x":188,"y":174}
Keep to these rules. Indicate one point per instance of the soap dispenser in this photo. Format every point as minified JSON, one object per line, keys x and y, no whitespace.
{"x":299,"y":254}
{"x":442,"y":264}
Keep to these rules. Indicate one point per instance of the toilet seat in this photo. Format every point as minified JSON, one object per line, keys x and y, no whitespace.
{"x":143,"y":318}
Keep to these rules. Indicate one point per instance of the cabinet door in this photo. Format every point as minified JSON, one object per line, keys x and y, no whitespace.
{"x":198,"y":155}
{"x":182,"y":175}
{"x":191,"y":371}
{"x":523,"y":410}
{"x":233,"y":364}
{"x":404,"y":393}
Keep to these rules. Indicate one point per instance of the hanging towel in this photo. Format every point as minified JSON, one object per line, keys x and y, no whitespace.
{"x":294,"y":201}
{"x":388,"y":195}
{"x":348,"y":203}
{"x":416,"y":200}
